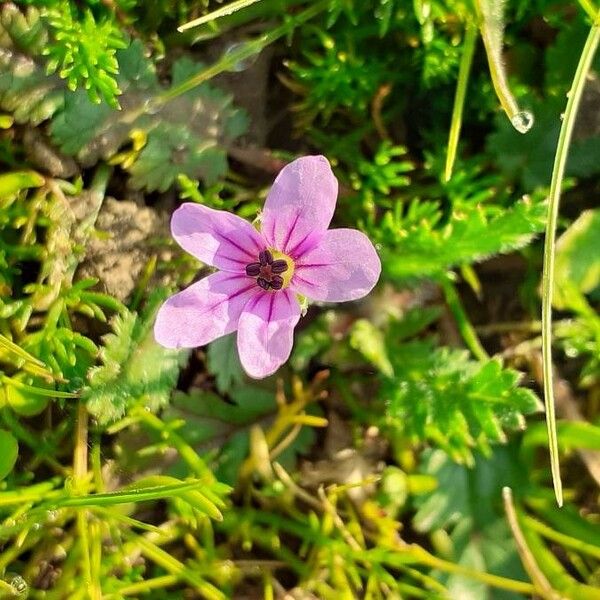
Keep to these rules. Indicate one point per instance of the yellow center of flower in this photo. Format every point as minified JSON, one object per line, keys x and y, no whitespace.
{"x":289,"y":272}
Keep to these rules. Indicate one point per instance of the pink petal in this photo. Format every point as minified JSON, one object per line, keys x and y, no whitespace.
{"x":265,"y":332}
{"x":204,"y":311}
{"x":217,"y":238}
{"x":300,"y":205}
{"x":344,"y":266}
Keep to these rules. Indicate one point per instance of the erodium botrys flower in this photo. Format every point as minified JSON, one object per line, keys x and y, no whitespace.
{"x":262,"y":274}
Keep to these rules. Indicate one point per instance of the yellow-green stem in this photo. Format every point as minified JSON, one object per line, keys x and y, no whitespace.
{"x":244,"y":51}
{"x":513,"y":585}
{"x":558,"y":170}
{"x":467,"y":331}
{"x":216,"y":14}
{"x":459,"y":98}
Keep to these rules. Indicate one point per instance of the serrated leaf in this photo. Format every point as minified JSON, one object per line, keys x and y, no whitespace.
{"x":135,"y":367}
{"x":441,"y":396}
{"x":467,"y":504}
{"x":224,"y":362}
{"x":418,"y":246}
{"x":77,"y":124}
{"x":187,"y":135}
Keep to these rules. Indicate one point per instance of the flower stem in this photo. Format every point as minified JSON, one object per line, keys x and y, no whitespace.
{"x":467,"y":331}
{"x":243,"y":52}
{"x":459,"y":98}
{"x":513,"y":585}
{"x":560,"y":159}
{"x":533,"y":570}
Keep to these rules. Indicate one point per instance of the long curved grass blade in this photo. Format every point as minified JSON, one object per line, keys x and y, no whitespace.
{"x":38,"y":391}
{"x":15,"y":349}
{"x":560,"y":159}
{"x":132,"y":495}
{"x":216,"y":14}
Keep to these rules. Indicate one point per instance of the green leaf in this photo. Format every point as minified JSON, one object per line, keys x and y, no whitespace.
{"x":135,"y":368}
{"x":467,"y":504}
{"x":415,"y":244}
{"x":312,"y":341}
{"x":77,"y":125}
{"x":9,"y":451}
{"x":211,"y":424}
{"x":224,"y":362}
{"x":577,"y":265}
{"x":369,"y":341}
{"x":441,"y":396}
{"x":82,"y":50}
{"x":186,"y":136}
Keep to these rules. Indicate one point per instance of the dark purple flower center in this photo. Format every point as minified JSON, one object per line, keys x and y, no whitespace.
{"x":267,"y":271}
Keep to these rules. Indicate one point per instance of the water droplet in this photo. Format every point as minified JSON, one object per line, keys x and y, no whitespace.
{"x":36,"y":526}
{"x":241,"y":65}
{"x":522,"y":121}
{"x":18,"y":584}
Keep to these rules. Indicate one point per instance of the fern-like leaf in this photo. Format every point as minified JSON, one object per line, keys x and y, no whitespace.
{"x":440,"y":396}
{"x":154,"y":140}
{"x":415,"y":244}
{"x":134,"y":368}
{"x":82,"y":51}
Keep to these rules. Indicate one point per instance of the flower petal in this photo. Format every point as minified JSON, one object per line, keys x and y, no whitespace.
{"x":300,"y":205}
{"x":265,"y":332}
{"x":204,"y":311}
{"x":218,"y":238}
{"x":344,"y":266}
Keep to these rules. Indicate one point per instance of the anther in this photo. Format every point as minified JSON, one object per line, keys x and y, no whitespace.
{"x":265,"y":258}
{"x":263,"y":283}
{"x":279,"y":266}
{"x":276,"y":282}
{"x":253,"y":269}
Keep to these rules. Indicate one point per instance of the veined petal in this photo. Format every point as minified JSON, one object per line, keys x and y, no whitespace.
{"x":217,"y":238}
{"x":204,"y":311}
{"x":344,"y":266}
{"x":266,"y":332}
{"x":300,"y":205}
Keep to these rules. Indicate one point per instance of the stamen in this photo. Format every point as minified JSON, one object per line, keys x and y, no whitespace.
{"x":268,"y":270}
{"x":276,"y":282}
{"x":253,"y":269}
{"x":265,"y":258}
{"x":263,"y":283}
{"x":279,"y":266}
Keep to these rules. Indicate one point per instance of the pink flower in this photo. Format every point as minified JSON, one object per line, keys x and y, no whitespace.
{"x":261,"y":274}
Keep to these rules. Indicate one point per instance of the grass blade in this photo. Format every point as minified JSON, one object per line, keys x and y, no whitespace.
{"x":560,"y":159}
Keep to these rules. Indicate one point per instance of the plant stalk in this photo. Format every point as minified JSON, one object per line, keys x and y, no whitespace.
{"x":558,"y":170}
